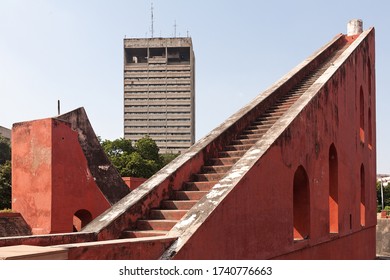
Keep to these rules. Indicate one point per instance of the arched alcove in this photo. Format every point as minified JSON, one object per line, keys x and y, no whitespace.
{"x":361,"y":115}
{"x":362,"y":196}
{"x":80,"y":219}
{"x":333,"y":191}
{"x":301,"y":204}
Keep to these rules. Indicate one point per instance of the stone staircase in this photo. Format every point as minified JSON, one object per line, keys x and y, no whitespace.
{"x":161,"y":220}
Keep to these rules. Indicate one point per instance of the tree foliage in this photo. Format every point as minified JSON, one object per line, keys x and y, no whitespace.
{"x":386,"y":195}
{"x":5,"y":173}
{"x":5,"y":150}
{"x":139,"y":160}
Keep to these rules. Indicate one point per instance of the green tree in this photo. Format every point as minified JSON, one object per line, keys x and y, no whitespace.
{"x":148,"y":149}
{"x":5,"y":185}
{"x":167,"y":158}
{"x":5,"y":173}
{"x":386,"y":195}
{"x":141,"y":160}
{"x":5,"y":150}
{"x":117,"y":147}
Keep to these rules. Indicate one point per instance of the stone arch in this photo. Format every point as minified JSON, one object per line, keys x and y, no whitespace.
{"x":362,"y":196}
{"x":301,"y":204}
{"x":369,"y":77}
{"x":369,"y":128}
{"x":361,"y":113}
{"x":81,"y":218}
{"x":333,"y":190}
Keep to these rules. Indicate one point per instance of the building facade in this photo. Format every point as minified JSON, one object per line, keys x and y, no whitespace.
{"x":159,"y":92}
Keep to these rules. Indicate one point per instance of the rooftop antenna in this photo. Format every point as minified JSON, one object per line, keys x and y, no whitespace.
{"x":152,"y":20}
{"x":174,"y":26}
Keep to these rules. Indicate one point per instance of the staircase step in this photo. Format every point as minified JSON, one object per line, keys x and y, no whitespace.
{"x":238,"y":147}
{"x":266,"y":117}
{"x":178,"y":204}
{"x":156,"y":224}
{"x":224,"y":160}
{"x":167,"y":214}
{"x":277,"y":110}
{"x":251,"y":136}
{"x":289,"y":103}
{"x":198,"y":186}
{"x":244,"y":141}
{"x":256,"y":128}
{"x":261,"y":122}
{"x":189,"y":195}
{"x":253,"y":130}
{"x":272,"y":114}
{"x":142,"y":233}
{"x":208,"y":176}
{"x":216,"y":168}
{"x":231,"y":153}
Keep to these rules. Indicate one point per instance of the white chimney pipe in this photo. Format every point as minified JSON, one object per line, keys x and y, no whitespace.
{"x":355,"y":27}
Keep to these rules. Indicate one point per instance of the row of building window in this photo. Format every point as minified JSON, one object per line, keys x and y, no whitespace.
{"x":159,"y":120}
{"x":158,"y":99}
{"x":184,"y":84}
{"x":143,"y":70}
{"x":157,"y":113}
{"x":170,"y":140}
{"x":158,"y":106}
{"x":153,"y":78}
{"x":158,"y":91}
{"x":156,"y":127}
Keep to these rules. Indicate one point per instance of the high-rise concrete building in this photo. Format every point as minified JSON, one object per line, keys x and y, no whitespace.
{"x":159,"y":92}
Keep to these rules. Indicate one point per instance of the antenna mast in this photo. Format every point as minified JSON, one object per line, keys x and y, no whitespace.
{"x":174,"y":26}
{"x":152,"y":20}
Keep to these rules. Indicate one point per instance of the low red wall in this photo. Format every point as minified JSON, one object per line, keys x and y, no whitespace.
{"x":133,"y":182}
{"x":13,"y":224}
{"x":121,"y":249}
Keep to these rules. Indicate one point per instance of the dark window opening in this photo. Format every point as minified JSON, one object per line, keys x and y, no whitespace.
{"x":179,"y":55}
{"x":156,"y":52}
{"x":138,"y":55}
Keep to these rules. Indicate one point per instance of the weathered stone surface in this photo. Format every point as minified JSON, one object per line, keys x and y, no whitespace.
{"x":13,"y":224}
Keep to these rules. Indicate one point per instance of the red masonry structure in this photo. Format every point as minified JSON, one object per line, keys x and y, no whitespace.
{"x":289,"y":176}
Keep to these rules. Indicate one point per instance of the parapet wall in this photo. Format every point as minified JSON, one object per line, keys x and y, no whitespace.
{"x":383,"y":237}
{"x":13,"y":224}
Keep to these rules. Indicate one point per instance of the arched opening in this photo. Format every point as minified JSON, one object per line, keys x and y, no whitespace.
{"x":369,"y":129}
{"x":301,"y":204}
{"x":362,"y":196}
{"x":333,"y":191}
{"x":80,"y":219}
{"x":369,"y":77}
{"x":361,"y":115}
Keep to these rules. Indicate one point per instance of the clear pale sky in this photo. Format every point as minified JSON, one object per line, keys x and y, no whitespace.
{"x":73,"y":51}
